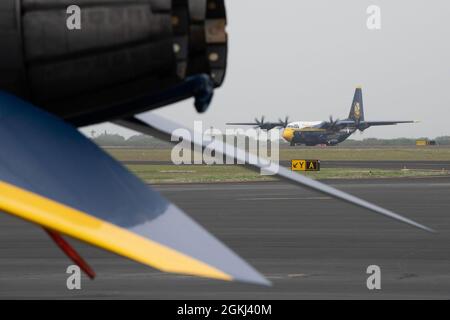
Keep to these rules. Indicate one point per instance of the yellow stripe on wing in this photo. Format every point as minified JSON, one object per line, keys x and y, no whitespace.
{"x":80,"y":225}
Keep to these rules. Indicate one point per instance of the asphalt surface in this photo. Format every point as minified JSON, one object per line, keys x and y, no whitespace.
{"x":397,"y":164}
{"x":308,"y":245}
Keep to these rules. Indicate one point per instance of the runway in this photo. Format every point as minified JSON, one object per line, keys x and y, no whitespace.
{"x":309,"y":245}
{"x":387,"y":165}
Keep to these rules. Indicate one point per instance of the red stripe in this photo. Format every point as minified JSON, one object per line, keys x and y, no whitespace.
{"x":71,"y":253}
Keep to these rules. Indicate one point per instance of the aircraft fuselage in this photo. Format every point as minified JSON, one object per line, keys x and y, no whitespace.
{"x":312,"y":133}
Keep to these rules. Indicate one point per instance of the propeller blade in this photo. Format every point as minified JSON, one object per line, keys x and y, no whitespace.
{"x":283,"y":123}
{"x":158,"y":126}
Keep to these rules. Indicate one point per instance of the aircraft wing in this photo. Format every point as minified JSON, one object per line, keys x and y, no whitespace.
{"x":311,"y":130}
{"x":53,"y":176}
{"x":157,"y":126}
{"x":386,"y":123}
{"x":241,"y":124}
{"x":335,"y":125}
{"x":344,"y":123}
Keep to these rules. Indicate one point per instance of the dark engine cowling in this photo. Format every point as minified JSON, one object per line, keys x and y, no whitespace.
{"x":124,"y":50}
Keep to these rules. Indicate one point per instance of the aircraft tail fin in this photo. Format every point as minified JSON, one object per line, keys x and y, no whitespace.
{"x":357,"y":109}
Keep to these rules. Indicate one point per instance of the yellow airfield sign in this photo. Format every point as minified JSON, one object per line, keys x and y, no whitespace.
{"x":305,"y":165}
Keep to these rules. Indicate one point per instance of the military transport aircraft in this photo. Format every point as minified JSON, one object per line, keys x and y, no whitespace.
{"x":330,"y":133}
{"x":53,"y":80}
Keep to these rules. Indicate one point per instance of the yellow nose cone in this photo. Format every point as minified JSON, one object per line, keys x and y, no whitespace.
{"x":288,"y":134}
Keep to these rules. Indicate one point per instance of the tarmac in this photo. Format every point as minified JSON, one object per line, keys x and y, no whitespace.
{"x":310,"y":246}
{"x":387,"y":165}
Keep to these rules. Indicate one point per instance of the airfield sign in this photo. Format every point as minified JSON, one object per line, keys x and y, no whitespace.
{"x":305,"y":165}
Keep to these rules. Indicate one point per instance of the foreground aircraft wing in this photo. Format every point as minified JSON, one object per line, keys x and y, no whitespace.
{"x":386,"y":123}
{"x":155,"y":125}
{"x":53,"y":176}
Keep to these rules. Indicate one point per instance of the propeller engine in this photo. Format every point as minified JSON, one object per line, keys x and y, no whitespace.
{"x":259,"y":124}
{"x":170,"y":51}
{"x":284,"y":123}
{"x":262,"y":124}
{"x":332,"y":124}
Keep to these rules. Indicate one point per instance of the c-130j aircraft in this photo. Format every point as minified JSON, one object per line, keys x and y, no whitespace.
{"x":330,"y":133}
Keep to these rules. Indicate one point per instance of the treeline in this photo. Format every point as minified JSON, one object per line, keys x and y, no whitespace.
{"x":139,"y":141}
{"x":144,"y":141}
{"x":445,"y":140}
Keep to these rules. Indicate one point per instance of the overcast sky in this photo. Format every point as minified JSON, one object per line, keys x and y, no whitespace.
{"x":304,"y":59}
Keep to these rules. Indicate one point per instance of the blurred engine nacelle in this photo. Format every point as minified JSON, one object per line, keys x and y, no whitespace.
{"x":124,"y":50}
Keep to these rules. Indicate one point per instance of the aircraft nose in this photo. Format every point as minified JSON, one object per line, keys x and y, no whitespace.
{"x":288,"y":134}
